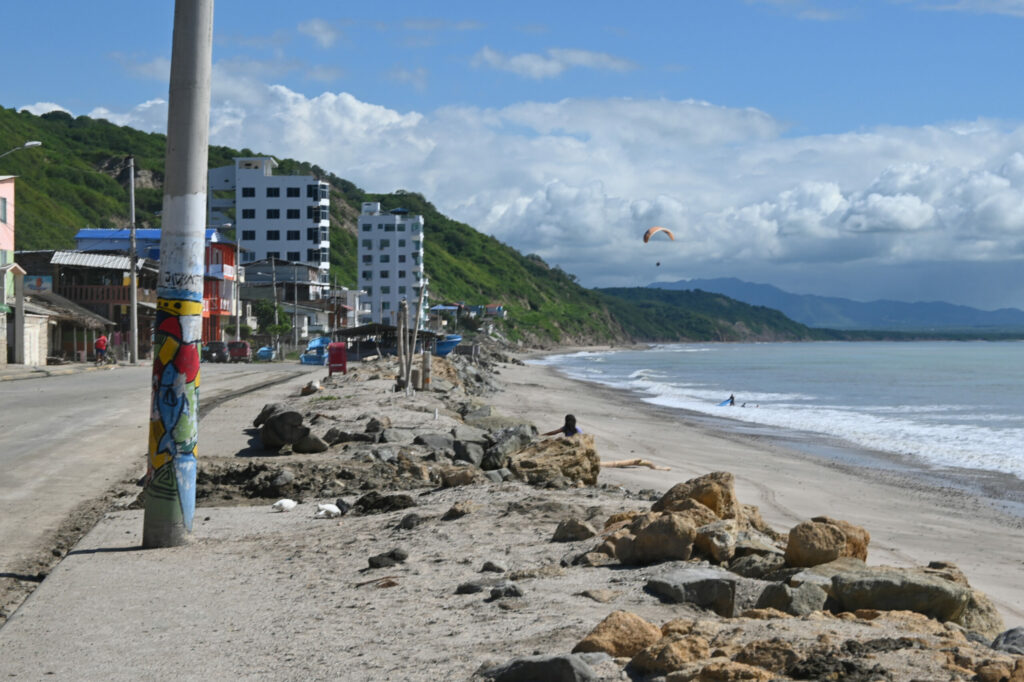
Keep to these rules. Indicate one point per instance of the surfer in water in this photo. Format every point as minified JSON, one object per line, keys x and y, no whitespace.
{"x":732,"y":400}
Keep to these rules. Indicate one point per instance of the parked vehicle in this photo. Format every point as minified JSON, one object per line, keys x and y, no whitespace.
{"x":240,"y":351}
{"x":266,"y":353}
{"x":215,"y":351}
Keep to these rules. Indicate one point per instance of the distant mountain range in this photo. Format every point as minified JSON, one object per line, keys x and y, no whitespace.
{"x":844,"y":314}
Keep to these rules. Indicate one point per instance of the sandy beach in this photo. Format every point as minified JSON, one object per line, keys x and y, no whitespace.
{"x":258,"y":594}
{"x":912,"y":517}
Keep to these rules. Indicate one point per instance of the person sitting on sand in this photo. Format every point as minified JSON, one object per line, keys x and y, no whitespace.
{"x":567,"y":429}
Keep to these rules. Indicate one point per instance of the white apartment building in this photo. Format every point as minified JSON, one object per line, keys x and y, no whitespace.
{"x":390,"y":264}
{"x":275,"y":216}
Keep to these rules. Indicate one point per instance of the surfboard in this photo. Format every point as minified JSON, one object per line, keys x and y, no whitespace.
{"x":724,"y":403}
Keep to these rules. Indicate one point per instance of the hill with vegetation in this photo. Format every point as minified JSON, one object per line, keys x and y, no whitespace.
{"x":78,"y":178}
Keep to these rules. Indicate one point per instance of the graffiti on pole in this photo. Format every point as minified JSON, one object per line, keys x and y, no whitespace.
{"x":174,"y":418}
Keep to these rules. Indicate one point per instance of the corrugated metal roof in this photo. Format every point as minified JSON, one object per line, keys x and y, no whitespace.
{"x":88,"y":259}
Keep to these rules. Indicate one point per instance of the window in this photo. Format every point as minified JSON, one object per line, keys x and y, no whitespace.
{"x":325,"y":256}
{"x":3,"y":209}
{"x":366,"y":275}
{"x":401,"y":289}
{"x":401,"y":258}
{"x":324,"y":235}
{"x":293,"y":214}
{"x":311,"y":191}
{"x":248,"y":235}
{"x":273,"y":235}
{"x":273,"y":254}
{"x":311,"y":234}
{"x":293,"y":255}
{"x":385,"y":258}
{"x":385,"y":290}
{"x":401,"y":243}
{"x":248,"y":256}
{"x":380,"y":226}
{"x":415,"y":227}
{"x":367,"y":244}
{"x":273,"y":213}
{"x":312,"y":255}
{"x":416,"y":244}
{"x":389,"y":228}
{"x":401,"y":227}
{"x":368,"y":290}
{"x":293,"y":192}
{"x":367,"y":259}
{"x":385,"y":305}
{"x":384,"y":274}
{"x":367,"y":227}
{"x":385,"y":243}
{"x":293,"y":235}
{"x":273,"y":192}
{"x":401,"y":274}
{"x":248,"y":192}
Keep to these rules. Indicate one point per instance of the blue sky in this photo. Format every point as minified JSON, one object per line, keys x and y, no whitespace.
{"x":868,"y":149}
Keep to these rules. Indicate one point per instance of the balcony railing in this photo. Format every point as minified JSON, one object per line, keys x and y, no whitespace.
{"x":98,"y":293}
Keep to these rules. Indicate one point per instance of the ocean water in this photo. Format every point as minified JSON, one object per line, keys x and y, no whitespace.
{"x":943,"y":405}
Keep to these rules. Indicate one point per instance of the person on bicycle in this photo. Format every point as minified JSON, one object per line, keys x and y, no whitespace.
{"x":101,"y":348}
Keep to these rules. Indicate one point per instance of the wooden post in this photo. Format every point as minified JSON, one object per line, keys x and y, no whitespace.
{"x":170,"y":492}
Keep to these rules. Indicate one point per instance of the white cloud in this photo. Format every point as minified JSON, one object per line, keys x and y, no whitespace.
{"x":321,"y":31}
{"x":578,"y":181}
{"x":551,"y":64}
{"x":40,"y":108}
{"x":1013,"y":8}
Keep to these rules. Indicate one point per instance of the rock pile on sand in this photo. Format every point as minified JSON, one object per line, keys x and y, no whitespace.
{"x":579,"y":581}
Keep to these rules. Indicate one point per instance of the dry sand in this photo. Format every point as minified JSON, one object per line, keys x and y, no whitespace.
{"x":265,"y":595}
{"x":912,"y":517}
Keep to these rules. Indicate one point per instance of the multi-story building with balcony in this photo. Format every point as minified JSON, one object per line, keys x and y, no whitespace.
{"x":220,"y":274}
{"x":390,"y":264}
{"x":275,"y":216}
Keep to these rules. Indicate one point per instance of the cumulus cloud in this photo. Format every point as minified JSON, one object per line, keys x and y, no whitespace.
{"x":40,"y":108}
{"x":551,"y":64}
{"x":578,"y":181}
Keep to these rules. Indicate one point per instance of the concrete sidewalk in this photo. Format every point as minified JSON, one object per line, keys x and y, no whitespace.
{"x":19,"y":372}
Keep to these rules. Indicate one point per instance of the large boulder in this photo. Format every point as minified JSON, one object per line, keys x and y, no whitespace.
{"x":621,"y":634}
{"x":796,"y":601}
{"x":822,"y":540}
{"x":717,"y":541}
{"x":901,"y":589}
{"x":669,"y":654}
{"x":543,"y":462}
{"x":505,"y":442}
{"x":560,"y":668}
{"x":668,"y":538}
{"x":715,"y":589}
{"x":716,"y":491}
{"x":282,"y":428}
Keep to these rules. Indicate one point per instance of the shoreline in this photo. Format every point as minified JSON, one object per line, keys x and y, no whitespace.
{"x":914,"y":516}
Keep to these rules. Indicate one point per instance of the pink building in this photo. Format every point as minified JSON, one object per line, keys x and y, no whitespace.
{"x":6,"y":219}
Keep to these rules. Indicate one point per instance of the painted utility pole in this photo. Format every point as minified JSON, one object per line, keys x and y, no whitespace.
{"x":134,"y":257}
{"x":170,"y":493}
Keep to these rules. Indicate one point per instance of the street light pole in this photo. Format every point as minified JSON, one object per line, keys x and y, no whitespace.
{"x":27,"y":145}
{"x":238,"y":285}
{"x":134,"y":256}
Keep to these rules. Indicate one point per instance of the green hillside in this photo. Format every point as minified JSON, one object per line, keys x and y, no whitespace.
{"x":78,"y":179}
{"x":667,"y":315}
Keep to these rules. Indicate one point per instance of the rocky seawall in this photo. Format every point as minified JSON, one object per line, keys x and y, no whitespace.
{"x":463,"y":519}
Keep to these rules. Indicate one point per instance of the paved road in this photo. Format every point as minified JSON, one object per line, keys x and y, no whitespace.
{"x":68,"y":439}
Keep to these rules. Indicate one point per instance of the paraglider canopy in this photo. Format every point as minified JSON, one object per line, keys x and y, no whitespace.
{"x":654,"y":230}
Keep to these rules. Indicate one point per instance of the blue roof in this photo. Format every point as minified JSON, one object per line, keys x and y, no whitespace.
{"x":149,"y":234}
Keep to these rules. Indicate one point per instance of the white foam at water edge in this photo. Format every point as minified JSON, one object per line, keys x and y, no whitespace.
{"x":597,"y":356}
{"x":933,"y":444}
